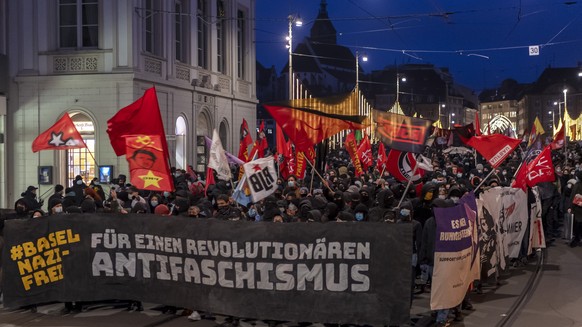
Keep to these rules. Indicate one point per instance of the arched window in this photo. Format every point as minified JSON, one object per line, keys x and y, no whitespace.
{"x":203,"y":129}
{"x":223,"y":134}
{"x":81,"y":161}
{"x":181,"y":137}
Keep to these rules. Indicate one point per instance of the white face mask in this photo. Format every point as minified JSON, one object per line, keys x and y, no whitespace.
{"x":58,"y":209}
{"x":455,"y":199}
{"x":442,"y":196}
{"x":459,"y":175}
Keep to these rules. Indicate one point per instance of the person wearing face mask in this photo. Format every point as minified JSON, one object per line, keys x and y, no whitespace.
{"x":79,"y":189}
{"x":365,"y":198}
{"x":154,"y":201}
{"x":455,"y":194}
{"x":290,"y":214}
{"x":57,"y":196}
{"x":384,"y":210}
{"x":361,"y":213}
{"x":29,"y":196}
{"x":442,"y":193}
{"x":57,"y":208}
{"x":405,"y":215}
{"x":224,"y":210}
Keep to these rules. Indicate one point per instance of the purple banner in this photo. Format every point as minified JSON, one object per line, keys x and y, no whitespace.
{"x":453,"y":229}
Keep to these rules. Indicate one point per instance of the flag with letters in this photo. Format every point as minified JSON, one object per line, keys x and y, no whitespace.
{"x":401,"y":132}
{"x":62,"y":135}
{"x":261,"y":177}
{"x":365,"y":153}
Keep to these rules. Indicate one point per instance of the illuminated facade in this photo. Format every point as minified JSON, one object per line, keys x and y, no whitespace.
{"x":90,"y":58}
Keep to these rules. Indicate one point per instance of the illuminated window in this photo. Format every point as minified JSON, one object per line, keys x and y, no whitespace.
{"x":80,"y":161}
{"x":181,"y":137}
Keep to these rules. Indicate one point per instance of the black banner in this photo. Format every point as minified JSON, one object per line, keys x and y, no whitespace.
{"x":329,"y":273}
{"x":403,"y":133}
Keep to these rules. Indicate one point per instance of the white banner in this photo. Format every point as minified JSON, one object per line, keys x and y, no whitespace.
{"x":536,"y":232}
{"x":261,"y":177}
{"x":487,"y":240}
{"x":218,"y":160}
{"x":508,"y":207}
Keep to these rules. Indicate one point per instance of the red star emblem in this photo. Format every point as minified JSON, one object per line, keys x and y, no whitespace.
{"x":257,"y":168}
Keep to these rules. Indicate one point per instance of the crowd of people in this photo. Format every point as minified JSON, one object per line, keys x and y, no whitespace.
{"x":338,"y":196}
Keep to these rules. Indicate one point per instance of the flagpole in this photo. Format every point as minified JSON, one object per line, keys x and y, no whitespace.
{"x":318,"y":174}
{"x":45,"y":192}
{"x":484,"y":179}
{"x":383,"y":170}
{"x":312,"y":177}
{"x":409,"y":181}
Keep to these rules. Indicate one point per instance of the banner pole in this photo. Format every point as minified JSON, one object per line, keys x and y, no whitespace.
{"x":318,"y":174}
{"x":483,"y":181}
{"x":409,"y":181}
{"x":312,"y":178}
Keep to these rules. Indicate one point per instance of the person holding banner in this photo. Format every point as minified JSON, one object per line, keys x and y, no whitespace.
{"x":576,"y":209}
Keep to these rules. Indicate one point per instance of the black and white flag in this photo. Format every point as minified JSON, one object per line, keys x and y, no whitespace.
{"x":261,"y":177}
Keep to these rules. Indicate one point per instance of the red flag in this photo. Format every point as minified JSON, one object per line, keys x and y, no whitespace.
{"x":521,"y":178}
{"x":541,"y":169}
{"x":148,"y":168}
{"x":209,"y":180}
{"x":401,"y":165}
{"x":306,"y":127}
{"x":558,"y":141}
{"x":477,"y":125}
{"x":301,"y":165}
{"x":62,"y":135}
{"x":283,"y":152}
{"x":350,"y":145}
{"x":260,"y":143}
{"x":245,"y":141}
{"x":365,"y":153}
{"x":494,"y":148}
{"x":142,"y":117}
{"x":382,"y":161}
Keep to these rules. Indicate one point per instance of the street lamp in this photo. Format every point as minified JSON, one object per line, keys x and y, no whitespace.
{"x":451,"y":121}
{"x":553,"y":119}
{"x":442,"y":105}
{"x":398,"y":78}
{"x":565,"y":101}
{"x":298,"y":22}
{"x":559,"y":104}
{"x":364,"y":59}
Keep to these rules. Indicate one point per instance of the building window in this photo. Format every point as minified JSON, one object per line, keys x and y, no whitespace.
{"x":221,"y":37}
{"x":223,"y":134}
{"x":241,"y":44}
{"x":78,"y":23}
{"x":153,"y":28}
{"x":181,"y":31}
{"x":181,"y":137}
{"x":80,"y":161}
{"x":179,"y":44}
{"x":202,"y":34}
